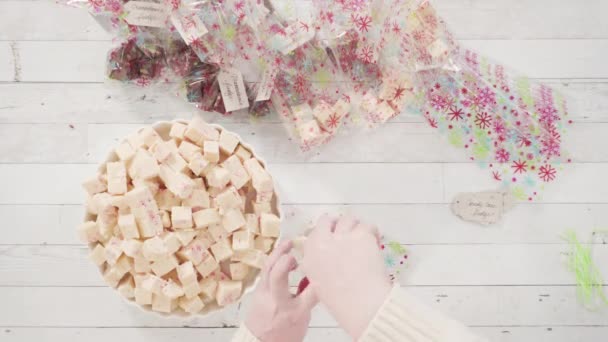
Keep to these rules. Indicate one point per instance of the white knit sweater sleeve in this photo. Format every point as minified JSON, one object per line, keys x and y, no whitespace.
{"x":403,"y":318}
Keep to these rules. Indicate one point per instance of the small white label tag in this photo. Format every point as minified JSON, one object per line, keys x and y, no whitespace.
{"x":141,"y":13}
{"x":233,"y":89}
{"x":298,"y":34}
{"x":189,"y":26}
{"x":481,"y":207}
{"x":266,"y":85}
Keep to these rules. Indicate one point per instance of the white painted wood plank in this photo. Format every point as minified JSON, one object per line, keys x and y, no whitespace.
{"x":75,"y":61}
{"x":7,"y":63}
{"x":45,"y":61}
{"x":47,"y":20}
{"x":575,"y":183}
{"x":43,"y":184}
{"x":493,"y":306}
{"x":149,"y":334}
{"x":407,"y":223}
{"x":497,"y":334}
{"x":44,"y":143}
{"x":497,"y":19}
{"x":109,"y":103}
{"x":325,"y":183}
{"x":297,"y":183}
{"x":427,"y":265}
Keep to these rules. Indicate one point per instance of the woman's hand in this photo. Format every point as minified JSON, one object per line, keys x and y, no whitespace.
{"x":343,"y":262}
{"x":276,"y":314}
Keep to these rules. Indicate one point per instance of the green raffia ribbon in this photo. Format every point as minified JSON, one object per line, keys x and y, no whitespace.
{"x":588,"y":278}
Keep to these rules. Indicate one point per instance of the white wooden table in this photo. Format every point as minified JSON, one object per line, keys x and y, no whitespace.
{"x":58,"y":118}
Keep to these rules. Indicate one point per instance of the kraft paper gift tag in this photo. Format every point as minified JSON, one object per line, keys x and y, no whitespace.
{"x":481,"y":207}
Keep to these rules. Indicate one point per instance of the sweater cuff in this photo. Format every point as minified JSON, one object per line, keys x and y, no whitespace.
{"x":244,"y":335}
{"x":403,"y":318}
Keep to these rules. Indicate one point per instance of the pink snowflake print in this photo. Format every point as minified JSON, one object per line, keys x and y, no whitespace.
{"x":300,"y":84}
{"x":96,"y":4}
{"x":499,"y":127}
{"x":456,"y":113}
{"x":548,"y":115}
{"x":485,"y":97}
{"x":399,"y":93}
{"x":523,"y":141}
{"x":143,"y":81}
{"x":114,"y":6}
{"x":502,"y":156}
{"x":367,"y":54}
{"x":364,"y":23}
{"x":496,"y":176}
{"x":550,"y":147}
{"x":333,"y":121}
{"x":439,"y":102}
{"x":519,"y":166}
{"x":346,"y":98}
{"x":396,"y":28}
{"x":483,"y":120}
{"x":304,"y":26}
{"x":189,"y":21}
{"x":239,"y":6}
{"x":432,"y":122}
{"x":175,"y":4}
{"x":547,"y":173}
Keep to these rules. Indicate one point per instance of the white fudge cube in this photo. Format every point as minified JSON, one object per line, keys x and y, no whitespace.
{"x":181,"y":217}
{"x":89,"y":232}
{"x":186,"y":273}
{"x":217,"y":232}
{"x":94,"y":186}
{"x":144,"y":208}
{"x":154,"y":249}
{"x":252,"y":257}
{"x":238,"y":271}
{"x":270,"y":225}
{"x":176,"y":162}
{"x":260,"y":208}
{"x":177,"y":131}
{"x":164,"y":304}
{"x":142,"y":297}
{"x":149,"y":136}
{"x":125,"y":151}
{"x":211,"y":151}
{"x":160,"y":267}
{"x":198,"y":200}
{"x":264,"y":244}
{"x":228,"y":292}
{"x":198,"y":164}
{"x":264,"y":196}
{"x":228,"y":142}
{"x":98,"y":202}
{"x":128,"y":226}
{"x":113,"y":250}
{"x":208,"y":288}
{"x":191,"y":289}
{"x":242,"y":153}
{"x":120,"y":203}
{"x":233,"y":219}
{"x":185,"y":236}
{"x":152,"y":184}
{"x":252,"y":224}
{"x":172,"y":242}
{"x":207,"y":265}
{"x":143,"y":165}
{"x":241,"y":240}
{"x":221,"y":250}
{"x":162,"y":150}
{"x":132,"y":247}
{"x":238,"y":175}
{"x":136,"y":140}
{"x":166,"y":218}
{"x":177,"y":182}
{"x":107,"y":219}
{"x":191,"y":305}
{"x":228,"y":199}
{"x":206,"y":217}
{"x":172,"y":290}
{"x":188,"y":150}
{"x":166,"y":200}
{"x":141,"y":264}
{"x":195,"y":251}
{"x":261,"y":180}
{"x":126,"y":288}
{"x":98,"y":255}
{"x":198,"y":131}
{"x":152,"y":283}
